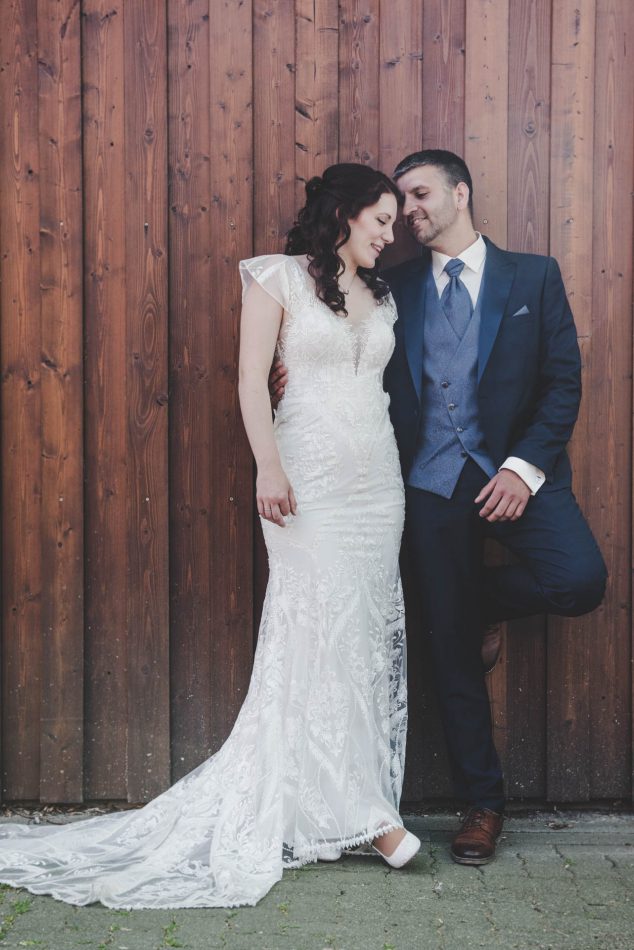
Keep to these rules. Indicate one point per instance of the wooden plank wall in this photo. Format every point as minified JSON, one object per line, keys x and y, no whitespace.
{"x":144,"y":149}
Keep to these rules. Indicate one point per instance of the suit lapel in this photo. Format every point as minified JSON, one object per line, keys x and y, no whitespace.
{"x":412,"y":307}
{"x":499,"y":273}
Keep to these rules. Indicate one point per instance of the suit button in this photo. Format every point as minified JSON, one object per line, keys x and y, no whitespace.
{"x":451,"y":406}
{"x":444,"y":384}
{"x":460,"y":429}
{"x":463,"y":455}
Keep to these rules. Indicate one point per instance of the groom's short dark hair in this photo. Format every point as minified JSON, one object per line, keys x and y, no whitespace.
{"x":454,"y":168}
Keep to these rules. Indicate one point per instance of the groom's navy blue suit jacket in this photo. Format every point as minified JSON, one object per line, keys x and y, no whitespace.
{"x":529,"y":368}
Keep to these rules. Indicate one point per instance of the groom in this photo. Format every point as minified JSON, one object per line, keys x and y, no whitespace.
{"x":485,"y":387}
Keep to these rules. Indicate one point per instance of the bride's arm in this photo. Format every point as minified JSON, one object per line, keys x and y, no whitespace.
{"x":259,"y":328}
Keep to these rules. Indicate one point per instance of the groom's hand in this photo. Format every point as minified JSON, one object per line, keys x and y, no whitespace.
{"x":278,"y":377}
{"x":506,"y":497}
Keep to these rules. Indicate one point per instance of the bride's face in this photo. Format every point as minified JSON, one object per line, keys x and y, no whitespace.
{"x":370,"y":231}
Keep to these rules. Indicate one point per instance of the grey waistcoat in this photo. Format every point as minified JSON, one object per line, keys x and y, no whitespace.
{"x":450,"y":430}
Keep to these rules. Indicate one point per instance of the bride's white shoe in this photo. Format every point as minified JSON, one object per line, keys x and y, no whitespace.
{"x":407,"y":848}
{"x":329,"y":852}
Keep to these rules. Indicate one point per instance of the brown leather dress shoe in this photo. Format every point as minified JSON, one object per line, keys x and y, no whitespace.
{"x":491,"y":646}
{"x":475,"y":842}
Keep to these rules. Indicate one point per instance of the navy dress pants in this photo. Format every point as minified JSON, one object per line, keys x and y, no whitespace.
{"x":560,"y":570}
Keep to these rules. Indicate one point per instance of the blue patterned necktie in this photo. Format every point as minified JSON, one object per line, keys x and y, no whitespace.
{"x":455,"y":299}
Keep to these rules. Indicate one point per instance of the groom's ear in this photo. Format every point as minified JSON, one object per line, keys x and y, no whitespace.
{"x":462,"y":195}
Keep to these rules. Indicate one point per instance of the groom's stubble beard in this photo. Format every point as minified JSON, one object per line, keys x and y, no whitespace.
{"x":433,"y":227}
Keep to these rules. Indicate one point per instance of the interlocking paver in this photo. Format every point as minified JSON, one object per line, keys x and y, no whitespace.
{"x":560,"y":882}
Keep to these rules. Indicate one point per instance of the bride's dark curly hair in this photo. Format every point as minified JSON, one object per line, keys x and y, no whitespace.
{"x":322,"y":227}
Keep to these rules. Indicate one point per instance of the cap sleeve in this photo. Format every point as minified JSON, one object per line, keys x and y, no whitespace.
{"x":270,"y":272}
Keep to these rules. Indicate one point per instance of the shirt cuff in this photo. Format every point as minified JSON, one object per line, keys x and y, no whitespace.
{"x":533,"y":476}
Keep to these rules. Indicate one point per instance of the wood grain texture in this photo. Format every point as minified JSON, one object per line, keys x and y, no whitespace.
{"x":231,"y":572}
{"x":401,"y":82}
{"x":145,"y":76}
{"x":191,"y":390}
{"x":105,"y":434}
{"x":571,"y":188}
{"x":61,"y":242}
{"x":274,"y":200}
{"x":486,"y":128}
{"x":400,"y":133}
{"x":199,"y":123}
{"x":525,"y":701}
{"x":400,"y":86}
{"x":444,"y":47}
{"x":571,"y":172}
{"x":528,"y":221}
{"x":608,"y":393}
{"x":273,"y":122}
{"x":486,"y":113}
{"x":20,"y":333}
{"x":529,"y":125}
{"x":316,"y":90}
{"x":359,"y":81}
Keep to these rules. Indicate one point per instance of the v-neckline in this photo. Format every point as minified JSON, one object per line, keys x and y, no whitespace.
{"x":354,"y":326}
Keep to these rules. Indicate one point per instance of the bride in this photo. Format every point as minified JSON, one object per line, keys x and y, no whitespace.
{"x":314,"y":763}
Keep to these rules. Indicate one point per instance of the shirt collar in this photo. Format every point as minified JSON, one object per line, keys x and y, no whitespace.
{"x":472,"y":256}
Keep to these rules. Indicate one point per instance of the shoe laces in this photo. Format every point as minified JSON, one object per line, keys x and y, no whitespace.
{"x":473,"y":819}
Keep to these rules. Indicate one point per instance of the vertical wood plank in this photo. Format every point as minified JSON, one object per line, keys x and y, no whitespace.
{"x":401,"y":82}
{"x":571,"y":188}
{"x":528,"y":217}
{"x":608,"y":391}
{"x":105,"y":436}
{"x":61,"y":243}
{"x":21,"y":401}
{"x":401,"y":132}
{"x":316,"y":90}
{"x":529,"y":125}
{"x":486,"y":113}
{"x":401,"y":100}
{"x":486,"y":126}
{"x":146,"y":273}
{"x":273,"y":124}
{"x":274,"y":166}
{"x":442,"y":111}
{"x":525,"y":698}
{"x":191,"y":383}
{"x":359,"y":81}
{"x":231,"y":567}
{"x":444,"y":74}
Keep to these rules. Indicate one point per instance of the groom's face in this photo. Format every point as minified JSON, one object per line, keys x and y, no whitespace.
{"x":431,"y":205}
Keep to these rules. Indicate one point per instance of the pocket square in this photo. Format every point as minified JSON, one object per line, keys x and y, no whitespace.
{"x":521,"y":311}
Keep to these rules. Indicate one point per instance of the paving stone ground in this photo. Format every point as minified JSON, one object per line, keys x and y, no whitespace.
{"x":560,"y":882}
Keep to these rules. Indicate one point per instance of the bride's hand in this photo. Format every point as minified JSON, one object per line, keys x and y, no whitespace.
{"x":274,"y":495}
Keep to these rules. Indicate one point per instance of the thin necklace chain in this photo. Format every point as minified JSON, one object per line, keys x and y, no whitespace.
{"x":346,"y":292}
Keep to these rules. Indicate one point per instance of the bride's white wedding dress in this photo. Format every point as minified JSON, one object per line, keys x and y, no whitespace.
{"x":316,"y":755}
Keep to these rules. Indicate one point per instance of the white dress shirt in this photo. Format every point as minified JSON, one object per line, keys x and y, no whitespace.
{"x":473,"y":258}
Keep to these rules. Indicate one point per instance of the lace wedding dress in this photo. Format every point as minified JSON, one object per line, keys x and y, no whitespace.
{"x":316,"y":755}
